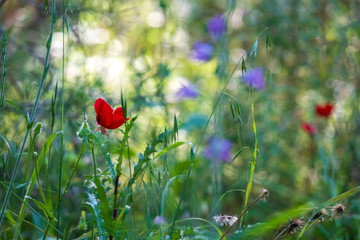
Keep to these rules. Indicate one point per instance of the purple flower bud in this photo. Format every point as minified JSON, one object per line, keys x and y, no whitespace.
{"x":202,"y":52}
{"x":255,"y":78}
{"x":187,"y":90}
{"x":217,"y":26}
{"x":218,"y":149}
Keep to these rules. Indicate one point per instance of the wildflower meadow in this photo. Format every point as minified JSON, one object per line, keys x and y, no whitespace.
{"x":179,"y":119}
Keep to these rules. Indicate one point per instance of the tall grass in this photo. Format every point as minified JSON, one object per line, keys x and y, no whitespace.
{"x":147,"y":180}
{"x":30,"y":120}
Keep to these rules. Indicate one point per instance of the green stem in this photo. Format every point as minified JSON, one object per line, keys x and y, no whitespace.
{"x":2,"y":96}
{"x":94,"y":160}
{"x":32,"y":116}
{"x":72,"y":173}
{"x":62,"y":114}
{"x":32,"y":209}
{"x":28,"y":158}
{"x":200,"y":140}
{"x":68,"y":182}
{"x":38,"y":180}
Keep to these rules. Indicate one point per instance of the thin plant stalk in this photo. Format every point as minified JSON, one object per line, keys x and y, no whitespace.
{"x":94,"y":160}
{"x":38,"y":180}
{"x":2,"y":96}
{"x":68,"y":182}
{"x":72,"y":172}
{"x":28,"y":158}
{"x":32,"y":209}
{"x":32,"y":115}
{"x":62,"y":115}
{"x":200,"y":140}
{"x":245,"y":210}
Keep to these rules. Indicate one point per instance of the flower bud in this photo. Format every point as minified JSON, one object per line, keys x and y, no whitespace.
{"x":37,"y":129}
{"x":337,"y":211}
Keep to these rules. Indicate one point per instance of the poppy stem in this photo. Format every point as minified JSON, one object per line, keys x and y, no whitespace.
{"x":94,"y":160}
{"x":115,"y":196}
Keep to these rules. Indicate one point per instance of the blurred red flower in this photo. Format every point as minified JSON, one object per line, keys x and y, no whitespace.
{"x":106,"y":117}
{"x":309,"y":128}
{"x":324,"y":110}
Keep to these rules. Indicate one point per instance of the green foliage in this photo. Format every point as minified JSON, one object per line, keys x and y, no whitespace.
{"x":141,"y":182}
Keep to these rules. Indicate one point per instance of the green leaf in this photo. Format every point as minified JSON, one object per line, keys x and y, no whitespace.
{"x":104,"y":206}
{"x":93,"y":203}
{"x":163,"y":196}
{"x":40,"y":162}
{"x":238,"y":152}
{"x":253,"y":162}
{"x":18,"y":108}
{"x":32,"y":209}
{"x":10,"y":218}
{"x":10,"y":146}
{"x":299,"y":211}
{"x":67,"y":25}
{"x":171,"y":147}
{"x":45,"y":210}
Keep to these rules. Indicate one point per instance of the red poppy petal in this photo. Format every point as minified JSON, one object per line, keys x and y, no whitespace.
{"x":104,"y":112}
{"x":324,"y":110}
{"x":117,"y":119}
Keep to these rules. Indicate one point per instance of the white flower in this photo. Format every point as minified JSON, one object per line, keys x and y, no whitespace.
{"x":225,"y":220}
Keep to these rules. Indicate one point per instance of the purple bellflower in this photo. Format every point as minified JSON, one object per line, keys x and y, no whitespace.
{"x":217,"y":26}
{"x":187,"y":90}
{"x":202,"y":52}
{"x":218,"y":150}
{"x":159,"y":220}
{"x":255,"y":78}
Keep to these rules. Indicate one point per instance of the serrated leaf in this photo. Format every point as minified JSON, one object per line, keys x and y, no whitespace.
{"x":95,"y":206}
{"x":104,"y":205}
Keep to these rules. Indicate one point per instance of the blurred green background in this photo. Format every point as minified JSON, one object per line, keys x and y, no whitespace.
{"x":143,"y":49}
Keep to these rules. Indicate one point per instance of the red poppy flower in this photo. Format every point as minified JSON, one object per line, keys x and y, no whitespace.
{"x":324,"y":110}
{"x":309,"y":128}
{"x":106,"y":117}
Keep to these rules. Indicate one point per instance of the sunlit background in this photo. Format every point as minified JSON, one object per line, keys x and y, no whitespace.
{"x":173,"y":58}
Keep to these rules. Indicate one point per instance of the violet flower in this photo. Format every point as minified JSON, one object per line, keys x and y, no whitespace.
{"x":255,"y":78}
{"x":202,"y":52}
{"x":159,"y":220}
{"x":187,"y":90}
{"x":217,"y":26}
{"x":218,"y":150}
